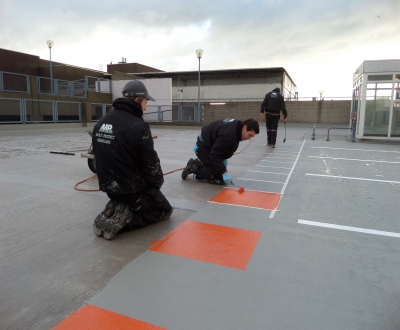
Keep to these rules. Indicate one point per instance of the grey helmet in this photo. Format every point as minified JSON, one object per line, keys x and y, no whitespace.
{"x":136,"y":88}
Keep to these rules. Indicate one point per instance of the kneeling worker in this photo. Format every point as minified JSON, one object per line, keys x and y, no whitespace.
{"x":217,"y":143}
{"x":128,"y":167}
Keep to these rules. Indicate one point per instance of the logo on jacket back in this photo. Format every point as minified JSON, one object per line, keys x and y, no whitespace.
{"x":106,"y":128}
{"x":274,"y":95}
{"x":228,"y":120}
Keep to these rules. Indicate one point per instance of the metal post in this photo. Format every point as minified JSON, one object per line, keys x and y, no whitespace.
{"x":50,"y":45}
{"x":199,"y":53}
{"x":313,"y":133}
{"x":198,"y":100}
{"x":51,"y":75}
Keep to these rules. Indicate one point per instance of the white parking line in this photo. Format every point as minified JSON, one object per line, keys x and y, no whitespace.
{"x":356,"y":229}
{"x":351,"y":178}
{"x":285,"y":168}
{"x":358,"y":160}
{"x":266,"y":172}
{"x":288,"y":177}
{"x":275,"y":161}
{"x":397,"y":152}
{"x":259,"y":180}
{"x":284,"y":154}
{"x":281,"y":158}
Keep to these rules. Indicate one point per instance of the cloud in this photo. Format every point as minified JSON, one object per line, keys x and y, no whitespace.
{"x":316,"y":42}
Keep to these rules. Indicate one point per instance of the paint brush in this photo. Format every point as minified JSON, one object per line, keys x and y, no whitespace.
{"x":241,"y":189}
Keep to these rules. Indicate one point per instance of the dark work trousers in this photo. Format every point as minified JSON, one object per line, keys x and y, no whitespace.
{"x":207,"y":170}
{"x":148,"y":206}
{"x":272,"y":127}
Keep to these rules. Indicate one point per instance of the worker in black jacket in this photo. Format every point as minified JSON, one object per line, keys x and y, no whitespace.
{"x":217,"y":143}
{"x":128,"y":167}
{"x":272,"y":106}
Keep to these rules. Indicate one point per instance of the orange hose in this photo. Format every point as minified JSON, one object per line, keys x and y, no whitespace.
{"x":178,"y":169}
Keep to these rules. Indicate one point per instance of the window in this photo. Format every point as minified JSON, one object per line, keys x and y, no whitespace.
{"x":380,"y":77}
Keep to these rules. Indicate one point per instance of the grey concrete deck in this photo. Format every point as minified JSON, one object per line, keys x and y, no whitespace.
{"x":316,"y":266}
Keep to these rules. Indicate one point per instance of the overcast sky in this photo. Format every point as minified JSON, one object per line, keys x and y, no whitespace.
{"x":319,"y":43}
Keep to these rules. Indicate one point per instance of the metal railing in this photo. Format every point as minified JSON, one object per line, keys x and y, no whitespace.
{"x":47,"y":111}
{"x":98,"y":85}
{"x":20,"y":83}
{"x":98,"y":110}
{"x":25,"y":111}
{"x":171,"y":113}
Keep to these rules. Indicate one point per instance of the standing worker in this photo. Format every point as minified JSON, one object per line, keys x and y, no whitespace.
{"x":216,"y":143}
{"x":272,"y":106}
{"x":128,"y":167}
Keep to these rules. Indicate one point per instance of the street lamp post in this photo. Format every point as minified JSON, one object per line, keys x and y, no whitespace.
{"x":50,"y":45}
{"x":199,"y":53}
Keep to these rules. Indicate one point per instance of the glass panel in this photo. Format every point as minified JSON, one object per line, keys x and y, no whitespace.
{"x":381,"y":85}
{"x":39,"y":111}
{"x":96,"y":111}
{"x":396,"y":120}
{"x":15,"y":82}
{"x":68,"y":111}
{"x":397,"y":93}
{"x":397,"y":76}
{"x":10,"y":111}
{"x":377,"y":111}
{"x":380,"y":77}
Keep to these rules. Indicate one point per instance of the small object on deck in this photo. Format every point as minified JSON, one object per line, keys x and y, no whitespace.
{"x":62,"y":153}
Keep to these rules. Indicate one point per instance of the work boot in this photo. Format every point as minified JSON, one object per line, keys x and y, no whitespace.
{"x":190,"y":168}
{"x":121,"y":217}
{"x":101,"y":218}
{"x":165,"y":216}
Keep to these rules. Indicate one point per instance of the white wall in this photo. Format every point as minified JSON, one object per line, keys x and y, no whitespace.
{"x":223,"y":92}
{"x":160,"y":89}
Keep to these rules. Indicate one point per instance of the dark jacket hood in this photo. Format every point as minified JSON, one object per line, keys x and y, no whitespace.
{"x":129,"y":106}
{"x":277,"y":89}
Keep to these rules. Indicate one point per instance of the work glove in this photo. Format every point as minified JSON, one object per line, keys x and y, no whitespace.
{"x":195,"y":148}
{"x":225,"y":161}
{"x":227,"y":179}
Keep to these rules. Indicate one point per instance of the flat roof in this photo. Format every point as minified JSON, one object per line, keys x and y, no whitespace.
{"x":210,"y":73}
{"x":377,"y":66}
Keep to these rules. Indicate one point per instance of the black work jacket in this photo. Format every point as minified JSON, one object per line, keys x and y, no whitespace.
{"x":123,"y":146}
{"x":273,"y":103}
{"x":222,"y":138}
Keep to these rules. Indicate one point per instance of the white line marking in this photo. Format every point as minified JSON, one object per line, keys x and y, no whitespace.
{"x":275,"y":161}
{"x":284,"y":154}
{"x":259,"y":180}
{"x":281,"y":158}
{"x":288,"y":178}
{"x":266,"y":172}
{"x":18,"y":199}
{"x":356,"y":229}
{"x":286,"y":168}
{"x":236,"y":188}
{"x":397,"y":152}
{"x":358,"y":160}
{"x":250,"y":207}
{"x":351,"y":178}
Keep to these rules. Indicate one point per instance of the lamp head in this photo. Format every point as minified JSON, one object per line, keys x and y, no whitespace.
{"x":199,"y":53}
{"x":50,"y":43}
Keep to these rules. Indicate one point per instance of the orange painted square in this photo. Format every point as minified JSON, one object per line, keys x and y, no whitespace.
{"x":221,"y":245}
{"x":249,"y":198}
{"x":90,"y":317}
